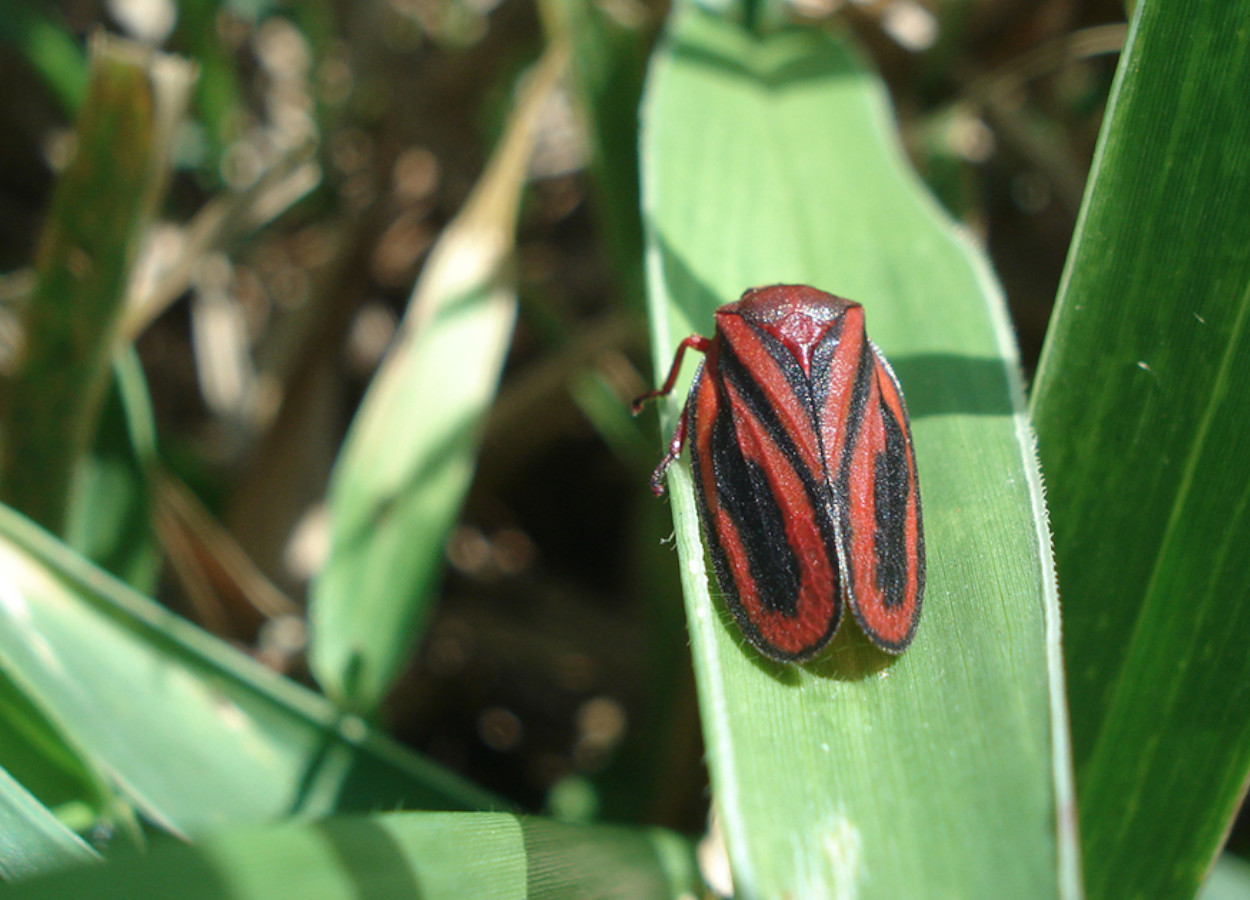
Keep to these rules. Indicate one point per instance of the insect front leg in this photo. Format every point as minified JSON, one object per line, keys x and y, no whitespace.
{"x":694,"y":342}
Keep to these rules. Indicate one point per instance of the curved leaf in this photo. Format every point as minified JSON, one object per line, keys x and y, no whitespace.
{"x":408,"y":460}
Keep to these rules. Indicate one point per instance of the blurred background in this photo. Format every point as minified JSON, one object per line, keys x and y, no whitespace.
{"x":327,"y":147}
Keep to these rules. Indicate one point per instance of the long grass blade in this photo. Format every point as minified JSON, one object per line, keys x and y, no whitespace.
{"x":943,"y":772}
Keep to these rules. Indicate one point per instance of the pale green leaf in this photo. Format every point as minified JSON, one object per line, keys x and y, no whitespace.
{"x":944,"y":772}
{"x":483,"y":856}
{"x":409,"y":457}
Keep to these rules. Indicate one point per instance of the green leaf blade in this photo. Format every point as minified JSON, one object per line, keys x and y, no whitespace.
{"x":770,"y":160}
{"x":1146,"y":472}
{"x":409,"y":458}
{"x":486,"y":856}
{"x":190,"y":731}
{"x":109,"y":519}
{"x":35,"y":841}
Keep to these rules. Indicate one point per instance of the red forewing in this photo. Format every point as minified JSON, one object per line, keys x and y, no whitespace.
{"x":876,"y":497}
{"x":804,"y":473}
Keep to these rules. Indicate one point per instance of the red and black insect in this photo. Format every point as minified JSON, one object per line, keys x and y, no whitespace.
{"x":804,"y":472}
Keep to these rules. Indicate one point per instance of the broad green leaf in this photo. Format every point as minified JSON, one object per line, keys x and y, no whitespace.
{"x":409,"y":457}
{"x":426,"y":855}
{"x":1143,"y":420}
{"x":102,"y":203}
{"x":34,"y":841}
{"x":192,"y":732}
{"x":944,"y":772}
